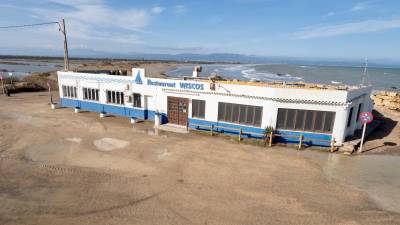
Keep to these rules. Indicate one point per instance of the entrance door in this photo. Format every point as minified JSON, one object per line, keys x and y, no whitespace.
{"x":178,"y":110}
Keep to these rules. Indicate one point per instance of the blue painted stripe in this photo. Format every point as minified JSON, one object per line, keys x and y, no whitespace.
{"x":66,"y":102}
{"x":112,"y":109}
{"x":306,"y":135}
{"x":259,"y":132}
{"x":255,"y":131}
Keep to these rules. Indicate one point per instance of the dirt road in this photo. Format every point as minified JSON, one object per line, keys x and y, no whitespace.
{"x":58,"y":167}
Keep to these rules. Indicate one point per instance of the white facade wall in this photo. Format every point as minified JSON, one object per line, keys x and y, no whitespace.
{"x":270,"y":98}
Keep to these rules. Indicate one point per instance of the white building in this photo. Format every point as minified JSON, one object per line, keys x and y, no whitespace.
{"x":318,"y":112}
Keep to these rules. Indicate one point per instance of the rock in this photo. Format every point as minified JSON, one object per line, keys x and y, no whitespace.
{"x":393,"y":105}
{"x":386,"y":97}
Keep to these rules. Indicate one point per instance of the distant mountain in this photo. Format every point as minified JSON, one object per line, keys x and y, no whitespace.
{"x":214,"y":57}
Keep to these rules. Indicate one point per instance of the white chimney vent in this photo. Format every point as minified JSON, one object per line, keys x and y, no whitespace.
{"x":196,"y":71}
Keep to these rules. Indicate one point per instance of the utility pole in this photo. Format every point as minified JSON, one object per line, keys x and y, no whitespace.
{"x":64,"y":32}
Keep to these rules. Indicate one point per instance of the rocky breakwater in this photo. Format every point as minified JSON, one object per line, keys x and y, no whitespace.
{"x":387,"y":99}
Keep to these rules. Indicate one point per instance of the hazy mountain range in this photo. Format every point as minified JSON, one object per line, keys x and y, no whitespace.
{"x":213,"y":57}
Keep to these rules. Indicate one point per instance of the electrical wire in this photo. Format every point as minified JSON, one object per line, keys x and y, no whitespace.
{"x":28,"y":25}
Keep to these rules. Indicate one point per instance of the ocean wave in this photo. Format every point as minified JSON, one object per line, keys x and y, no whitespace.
{"x":304,"y":67}
{"x":335,"y":82}
{"x":234,"y":68}
{"x":254,"y":75}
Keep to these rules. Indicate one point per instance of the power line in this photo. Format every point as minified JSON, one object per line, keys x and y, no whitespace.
{"x":28,"y":25}
{"x":61,"y":26}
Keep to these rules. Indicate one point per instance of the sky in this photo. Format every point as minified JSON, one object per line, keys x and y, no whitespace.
{"x":340,"y":29}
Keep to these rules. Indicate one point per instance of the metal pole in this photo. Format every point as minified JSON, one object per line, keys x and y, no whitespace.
{"x":362,"y":138}
{"x":64,"y":32}
{"x":50,"y":96}
{"x":300,"y":141}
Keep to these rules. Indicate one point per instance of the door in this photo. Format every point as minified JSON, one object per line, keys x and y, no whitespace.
{"x":178,"y":110}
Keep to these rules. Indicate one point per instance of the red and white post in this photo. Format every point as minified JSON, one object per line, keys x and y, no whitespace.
{"x":365,"y":117}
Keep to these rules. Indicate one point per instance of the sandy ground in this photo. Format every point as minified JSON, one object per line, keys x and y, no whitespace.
{"x":386,"y":138}
{"x":58,"y":167}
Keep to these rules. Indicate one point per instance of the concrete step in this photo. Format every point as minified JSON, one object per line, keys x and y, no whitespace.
{"x":354,"y":143}
{"x":173,"y":128}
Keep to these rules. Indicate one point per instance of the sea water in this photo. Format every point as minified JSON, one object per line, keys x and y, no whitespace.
{"x":379,"y":78}
{"x":21,"y":68}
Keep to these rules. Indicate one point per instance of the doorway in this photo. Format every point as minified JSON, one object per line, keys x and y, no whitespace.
{"x":178,"y":110}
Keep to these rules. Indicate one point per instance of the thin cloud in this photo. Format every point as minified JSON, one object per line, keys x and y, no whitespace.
{"x":359,"y":7}
{"x":355,"y":8}
{"x":329,"y":14}
{"x":345,"y":29}
{"x":93,"y":23}
{"x":180,"y":9}
{"x":157,"y":10}
{"x":96,"y":12}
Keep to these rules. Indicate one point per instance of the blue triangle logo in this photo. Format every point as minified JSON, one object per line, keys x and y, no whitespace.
{"x":138,"y":79}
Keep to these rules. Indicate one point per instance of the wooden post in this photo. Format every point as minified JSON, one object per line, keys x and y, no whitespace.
{"x":333,"y":145}
{"x":64,"y":32}
{"x":2,"y":85}
{"x":300,"y":141}
{"x":240,"y":134}
{"x":212,"y":129}
{"x":187,"y":124}
{"x":271,"y":135}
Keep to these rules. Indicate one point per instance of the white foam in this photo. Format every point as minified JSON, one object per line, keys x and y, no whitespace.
{"x":234,"y":68}
{"x":254,"y":75}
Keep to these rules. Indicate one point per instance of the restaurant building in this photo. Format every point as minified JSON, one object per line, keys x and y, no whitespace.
{"x":319,"y":113}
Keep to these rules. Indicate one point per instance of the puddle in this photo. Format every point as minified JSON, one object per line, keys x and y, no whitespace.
{"x":55,"y":151}
{"x":150,"y":131}
{"x":109,"y":144}
{"x":376,"y":175}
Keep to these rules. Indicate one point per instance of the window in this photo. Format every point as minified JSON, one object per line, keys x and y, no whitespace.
{"x":350,"y":118}
{"x":137,"y":100}
{"x":242,"y":114}
{"x":198,"y":108}
{"x":359,"y":111}
{"x":90,"y":94}
{"x":69,"y":91}
{"x":307,"y":120}
{"x":130,"y":99}
{"x":115,"y":97}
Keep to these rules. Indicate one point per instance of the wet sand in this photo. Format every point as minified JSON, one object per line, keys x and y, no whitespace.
{"x":58,"y":167}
